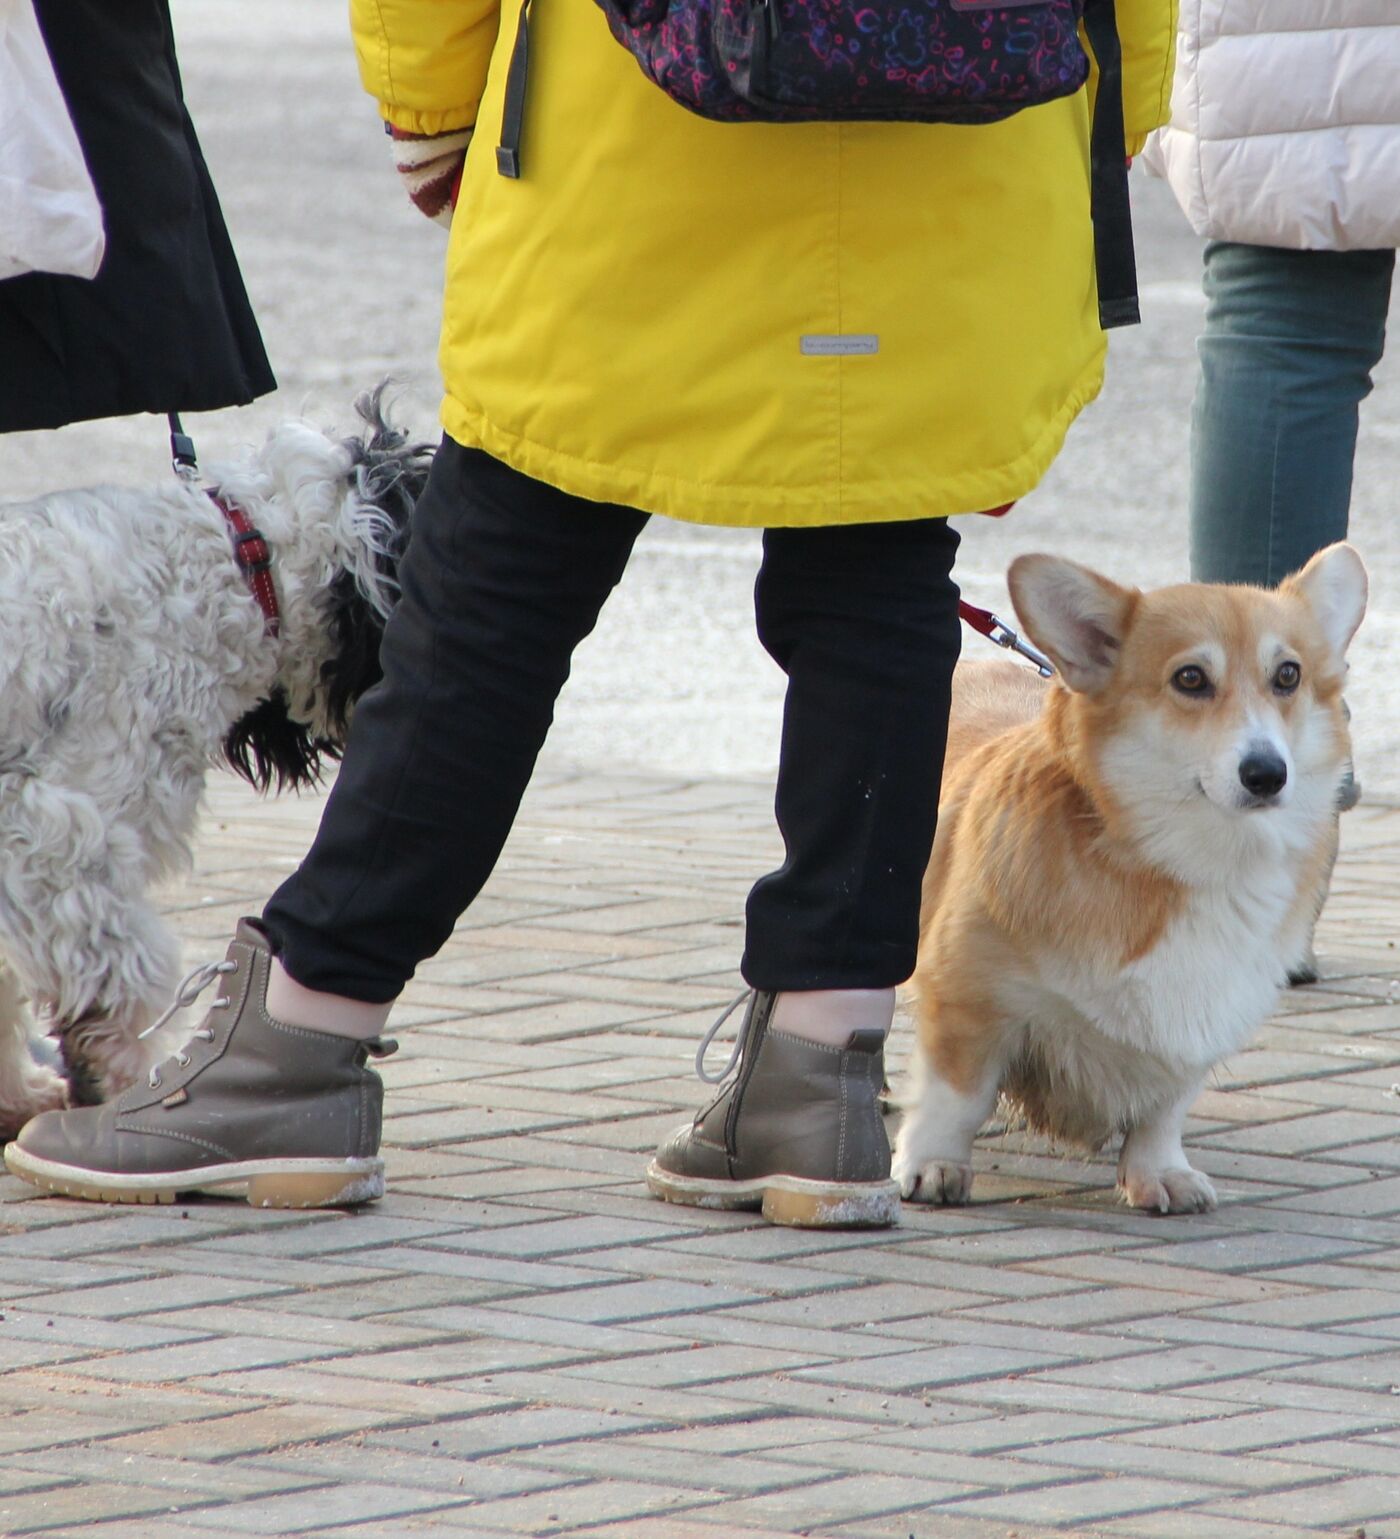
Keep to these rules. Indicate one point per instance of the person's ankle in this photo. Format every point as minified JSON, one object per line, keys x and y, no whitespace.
{"x":829,"y":1016}
{"x":294,"y":1004}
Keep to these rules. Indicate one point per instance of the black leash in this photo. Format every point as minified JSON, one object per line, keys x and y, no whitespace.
{"x":183,"y":459}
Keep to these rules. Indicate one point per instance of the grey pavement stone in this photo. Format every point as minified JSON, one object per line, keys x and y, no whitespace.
{"x":840,"y":1500}
{"x":617,"y":1303}
{"x":884,"y":1454}
{"x":667,"y":1406}
{"x":1087,"y":1501}
{"x":29,"y":1430}
{"x":1197,"y":1331}
{"x":264,"y":1431}
{"x":191,"y":1478}
{"x":762,"y":1433}
{"x":940,"y":1523}
{"x":307,"y":1385}
{"x":359,"y":1336}
{"x":518,"y":1430}
{"x":1175,"y":1368}
{"x":1360,"y":1454}
{"x":584,"y":1505}
{"x":1082,"y":1346}
{"x":1378,"y":1371}
{"x":214,"y":1355}
{"x":319,"y":1506}
{"x":777,"y":1279}
{"x":152,"y":1294}
{"x":142,"y":1528}
{"x":81,"y":1502}
{"x":931,"y":1367}
{"x":1370,"y":1198}
{"x":1195,"y":1465}
{"x":1378,"y":1408}
{"x":497,"y":1322}
{"x":45,"y":1391}
{"x":487,"y":1479}
{"x":649,"y":1459}
{"x":577,"y":1236}
{"x":874,"y":1305}
{"x":449,"y":1360}
{"x":1106,"y":1308}
{"x":33,"y":1278}
{"x":1029,"y":1392}
{"x":1361,"y":1500}
{"x":696,"y":1365}
{"x":1252,"y":1253}
{"x":983,"y":1432}
{"x":726,"y":1328}
{"x":1162,"y":1272}
{"x":1191,"y":1524}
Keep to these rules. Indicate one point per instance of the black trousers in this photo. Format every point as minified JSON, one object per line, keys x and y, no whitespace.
{"x":503,"y":577}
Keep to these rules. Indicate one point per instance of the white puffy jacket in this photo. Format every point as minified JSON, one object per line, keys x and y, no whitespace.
{"x":1285,"y":126}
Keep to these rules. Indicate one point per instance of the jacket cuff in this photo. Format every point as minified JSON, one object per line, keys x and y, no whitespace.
{"x":438,"y":121}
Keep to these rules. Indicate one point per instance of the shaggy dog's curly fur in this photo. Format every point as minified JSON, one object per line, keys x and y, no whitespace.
{"x":133,"y":657}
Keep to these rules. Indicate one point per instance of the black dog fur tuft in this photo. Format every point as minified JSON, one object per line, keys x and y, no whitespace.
{"x":270,"y":748}
{"x":274,"y":752}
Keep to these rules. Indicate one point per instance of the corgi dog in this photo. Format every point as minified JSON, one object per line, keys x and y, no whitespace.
{"x":1129,"y":862}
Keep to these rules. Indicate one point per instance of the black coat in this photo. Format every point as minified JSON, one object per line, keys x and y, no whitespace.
{"x":166,"y":324}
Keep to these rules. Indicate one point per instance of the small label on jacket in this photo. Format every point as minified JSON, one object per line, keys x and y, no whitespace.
{"x":835,"y":345}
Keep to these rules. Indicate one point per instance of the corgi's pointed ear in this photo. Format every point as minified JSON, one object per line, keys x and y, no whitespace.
{"x":1075,"y":616}
{"x":1334,"y":586}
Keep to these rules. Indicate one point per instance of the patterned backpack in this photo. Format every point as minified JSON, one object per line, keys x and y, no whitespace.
{"x":927,"y":61}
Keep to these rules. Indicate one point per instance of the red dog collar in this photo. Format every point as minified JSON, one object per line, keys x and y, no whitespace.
{"x":254,"y":558}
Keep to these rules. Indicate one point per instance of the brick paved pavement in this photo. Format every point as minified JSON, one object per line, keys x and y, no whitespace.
{"x":517,"y":1341}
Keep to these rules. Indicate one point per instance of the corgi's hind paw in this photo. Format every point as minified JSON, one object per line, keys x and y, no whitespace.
{"x":1168,"y":1191}
{"x":943,"y":1182}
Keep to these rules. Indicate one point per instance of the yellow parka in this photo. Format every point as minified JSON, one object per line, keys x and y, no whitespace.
{"x":625,"y":320}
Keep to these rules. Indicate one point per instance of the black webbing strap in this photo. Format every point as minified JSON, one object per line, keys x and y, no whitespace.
{"x":1108,"y":151}
{"x":513,"y":117}
{"x":182,"y":455}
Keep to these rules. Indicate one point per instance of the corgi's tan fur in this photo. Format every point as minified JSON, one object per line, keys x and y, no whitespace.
{"x":1127,"y":862}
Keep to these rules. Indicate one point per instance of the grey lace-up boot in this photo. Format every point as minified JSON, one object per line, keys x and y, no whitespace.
{"x":795,"y":1130}
{"x":286,"y":1116}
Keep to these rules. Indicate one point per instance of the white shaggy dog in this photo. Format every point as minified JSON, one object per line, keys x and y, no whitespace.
{"x":133,"y":657}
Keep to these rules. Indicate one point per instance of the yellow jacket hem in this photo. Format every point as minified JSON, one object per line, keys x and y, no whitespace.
{"x":762,"y":507}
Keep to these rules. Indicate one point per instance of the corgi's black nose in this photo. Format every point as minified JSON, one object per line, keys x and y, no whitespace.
{"x":1263,"y":773}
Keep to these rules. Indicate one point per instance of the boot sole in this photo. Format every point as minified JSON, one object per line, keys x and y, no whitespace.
{"x":788,"y":1200}
{"x":265,"y":1183}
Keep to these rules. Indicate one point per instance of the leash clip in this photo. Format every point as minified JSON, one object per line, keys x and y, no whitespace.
{"x":1004,"y":636}
{"x":183,"y":460}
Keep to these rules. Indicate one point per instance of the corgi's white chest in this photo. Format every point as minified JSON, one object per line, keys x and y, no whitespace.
{"x":1198,"y":995}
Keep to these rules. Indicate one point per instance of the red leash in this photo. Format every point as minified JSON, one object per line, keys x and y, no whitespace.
{"x":250,"y":547}
{"x":985,"y":623}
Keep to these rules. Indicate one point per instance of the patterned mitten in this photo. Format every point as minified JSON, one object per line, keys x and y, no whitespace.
{"x":431,"y":168}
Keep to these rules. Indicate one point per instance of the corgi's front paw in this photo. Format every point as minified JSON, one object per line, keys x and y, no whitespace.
{"x":1168,"y":1191}
{"x":943,"y":1182}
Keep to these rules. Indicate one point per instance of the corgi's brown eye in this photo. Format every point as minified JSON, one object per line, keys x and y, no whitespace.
{"x":1191,"y":680}
{"x":1288,"y":678}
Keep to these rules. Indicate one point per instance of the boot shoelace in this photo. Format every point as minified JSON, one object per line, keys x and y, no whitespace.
{"x":192,"y":985}
{"x":739,"y":1041}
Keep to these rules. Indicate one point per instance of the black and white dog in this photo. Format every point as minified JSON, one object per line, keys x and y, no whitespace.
{"x":135,"y":656}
